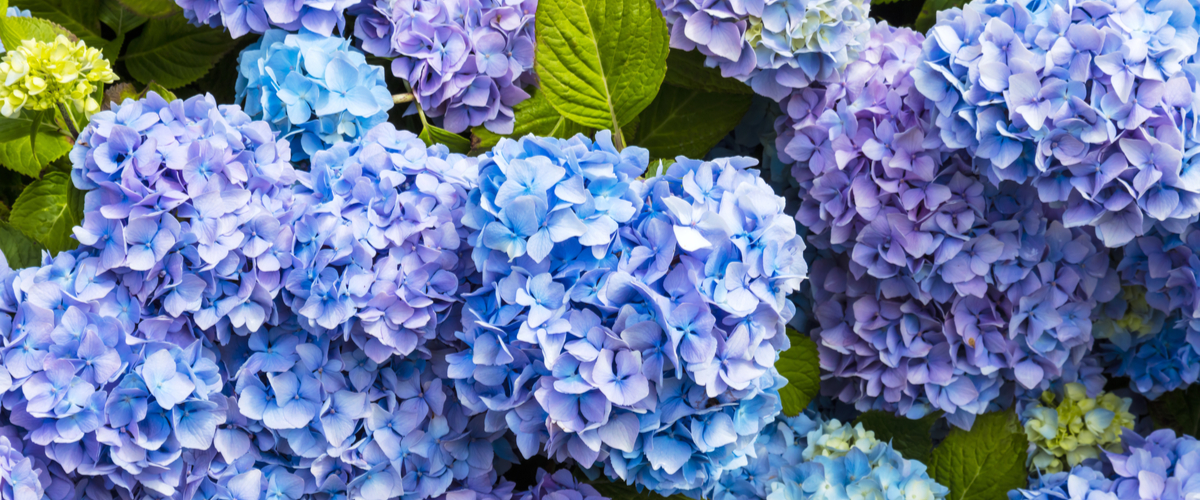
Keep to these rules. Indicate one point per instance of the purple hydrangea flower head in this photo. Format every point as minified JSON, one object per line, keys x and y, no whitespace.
{"x":315,"y":89}
{"x":259,"y":16}
{"x":1081,"y":483}
{"x":466,"y":61}
{"x":377,"y":250}
{"x":932,"y":287}
{"x":612,"y":312}
{"x":189,"y":204}
{"x":776,"y":46}
{"x":559,"y":485}
{"x":1092,"y":108}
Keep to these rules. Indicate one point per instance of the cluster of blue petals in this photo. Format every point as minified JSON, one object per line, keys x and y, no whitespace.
{"x":627,"y":323}
{"x":314,"y":89}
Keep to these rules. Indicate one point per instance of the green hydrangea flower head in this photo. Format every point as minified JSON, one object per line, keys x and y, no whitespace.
{"x":40,"y":75}
{"x":1139,"y":320}
{"x":1063,"y":432}
{"x":835,"y":439}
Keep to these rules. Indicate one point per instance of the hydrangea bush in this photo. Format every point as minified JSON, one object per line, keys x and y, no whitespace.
{"x":522,"y":286}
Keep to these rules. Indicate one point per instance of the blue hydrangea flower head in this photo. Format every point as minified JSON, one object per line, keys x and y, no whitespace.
{"x":559,"y":485}
{"x":314,"y":89}
{"x":467,"y":61}
{"x":775,"y":46}
{"x":609,"y":302}
{"x":381,"y":248}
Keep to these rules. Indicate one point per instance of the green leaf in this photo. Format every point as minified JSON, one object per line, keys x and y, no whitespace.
{"x":119,"y":18}
{"x":17,"y":155}
{"x":600,"y":62}
{"x":685,"y":68}
{"x":687,"y":122}
{"x":928,"y":15}
{"x":985,"y":462}
{"x":1178,"y":410}
{"x":909,"y":437}
{"x":801,"y":366}
{"x":19,"y":126}
{"x":151,"y":8}
{"x":457,"y":143}
{"x":174,"y":53}
{"x":533,"y":116}
{"x":47,"y":210}
{"x":80,"y":17}
{"x":18,"y":249}
{"x":13,"y":30}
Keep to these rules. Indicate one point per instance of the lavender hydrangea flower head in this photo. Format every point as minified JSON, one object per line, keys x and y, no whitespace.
{"x":1076,"y":99}
{"x":933,"y":288}
{"x":377,"y":250}
{"x":315,"y":89}
{"x":467,"y":61}
{"x":189,"y":204}
{"x":1065,"y":430}
{"x":259,"y":16}
{"x":613,"y":311}
{"x":776,"y":46}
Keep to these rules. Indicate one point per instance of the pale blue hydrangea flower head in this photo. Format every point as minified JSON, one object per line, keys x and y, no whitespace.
{"x":608,"y":302}
{"x":467,"y":61}
{"x":1080,"y":483}
{"x":381,"y":248}
{"x":1091,"y":102}
{"x":259,"y":16}
{"x":775,"y":46}
{"x":314,"y":89}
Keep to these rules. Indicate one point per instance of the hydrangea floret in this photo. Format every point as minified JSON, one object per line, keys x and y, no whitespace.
{"x":1065,"y":430}
{"x":628,"y":323}
{"x":775,"y":46}
{"x":40,"y":75}
{"x":466,"y":61}
{"x":314,"y":89}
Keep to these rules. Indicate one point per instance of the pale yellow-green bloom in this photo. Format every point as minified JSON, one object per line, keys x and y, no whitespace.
{"x":835,"y":439}
{"x":1076,"y":429}
{"x":40,"y":75}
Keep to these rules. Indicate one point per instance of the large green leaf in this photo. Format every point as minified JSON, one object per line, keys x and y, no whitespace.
{"x":20,"y":125}
{"x":434,"y":135}
{"x":985,"y":462}
{"x":151,"y":8}
{"x":17,"y":154}
{"x":687,"y":122}
{"x":533,"y":116}
{"x":928,"y":16}
{"x":174,"y":53}
{"x":600,"y":62}
{"x":47,"y":210}
{"x":19,"y":250}
{"x":119,"y":18}
{"x":1178,"y":410}
{"x":80,"y":17}
{"x":685,"y":68}
{"x":801,"y":366}
{"x":13,"y":30}
{"x":909,"y":437}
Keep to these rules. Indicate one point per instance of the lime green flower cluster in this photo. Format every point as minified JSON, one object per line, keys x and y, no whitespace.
{"x":1139,"y":320}
{"x":1076,"y":429}
{"x":835,"y":439}
{"x":40,"y":75}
